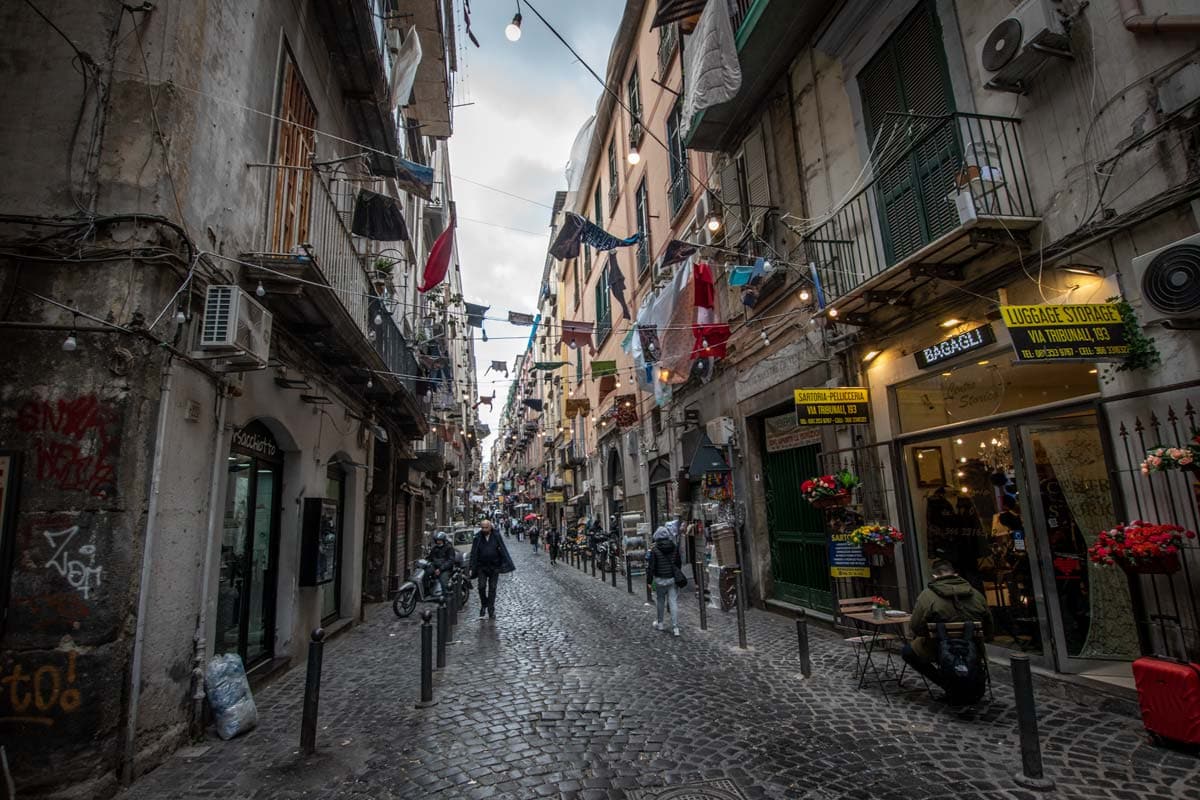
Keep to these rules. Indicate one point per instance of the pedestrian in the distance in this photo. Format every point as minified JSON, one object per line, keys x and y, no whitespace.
{"x":553,"y":538}
{"x":660,"y":573}
{"x":489,"y":559}
{"x":534,"y":534}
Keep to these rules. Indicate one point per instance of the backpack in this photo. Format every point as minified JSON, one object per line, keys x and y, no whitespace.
{"x":958,"y":661}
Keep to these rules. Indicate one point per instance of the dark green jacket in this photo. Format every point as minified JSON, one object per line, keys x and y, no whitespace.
{"x":948,"y":599}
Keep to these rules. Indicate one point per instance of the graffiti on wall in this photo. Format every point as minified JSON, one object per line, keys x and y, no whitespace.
{"x":73,"y":561}
{"x":75,"y":443}
{"x":39,"y":694}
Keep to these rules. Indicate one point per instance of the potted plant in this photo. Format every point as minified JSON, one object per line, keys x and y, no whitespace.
{"x":1141,"y":548}
{"x":876,"y":538}
{"x":879,"y":607}
{"x":1187,"y":458}
{"x":828,"y":491}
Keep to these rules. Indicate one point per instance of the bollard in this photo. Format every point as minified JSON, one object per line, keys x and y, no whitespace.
{"x":1031,"y":776}
{"x":698,"y":575}
{"x":443,"y":630}
{"x":628,"y":576}
{"x":612,"y":567}
{"x":741,"y":607}
{"x":593,"y":560}
{"x":426,"y":660}
{"x":312,"y":693}
{"x":802,"y":644}
{"x":455,"y":588}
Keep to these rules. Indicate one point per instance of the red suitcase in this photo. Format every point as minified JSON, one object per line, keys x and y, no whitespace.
{"x":1169,"y":693}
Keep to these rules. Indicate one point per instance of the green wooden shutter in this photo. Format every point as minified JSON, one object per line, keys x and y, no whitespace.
{"x":731,"y":199}
{"x":909,"y":76}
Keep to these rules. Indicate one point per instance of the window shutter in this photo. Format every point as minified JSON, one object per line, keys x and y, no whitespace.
{"x":758,"y":191}
{"x":731,"y":198}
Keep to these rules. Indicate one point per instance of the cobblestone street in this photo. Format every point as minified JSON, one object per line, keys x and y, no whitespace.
{"x":571,"y":693}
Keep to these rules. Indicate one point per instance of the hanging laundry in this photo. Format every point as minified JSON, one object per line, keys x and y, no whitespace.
{"x":740,"y":275}
{"x":710,"y":340}
{"x":533,"y":402}
{"x":404,"y":69}
{"x":573,"y":169}
{"x":439,"y":261}
{"x":517,"y":318}
{"x":474,"y":41}
{"x":754,"y":285}
{"x":608,"y":385}
{"x":677,"y":250}
{"x":549,"y":366}
{"x":475,"y":314}
{"x":712,"y":73}
{"x":414,"y":178}
{"x":498,"y":366}
{"x":533,"y":332}
{"x":674,"y":322}
{"x":816,"y":282}
{"x":577,"y":334}
{"x":378,"y":217}
{"x":602,"y":368}
{"x":485,"y":401}
{"x":616,"y":284}
{"x":705,"y":291}
{"x":576,"y":229}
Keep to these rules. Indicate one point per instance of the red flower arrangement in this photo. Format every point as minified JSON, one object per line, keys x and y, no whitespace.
{"x":1141,"y":547}
{"x":826,"y":490}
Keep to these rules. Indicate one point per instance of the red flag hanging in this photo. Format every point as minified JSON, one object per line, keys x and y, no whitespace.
{"x":710,"y":340}
{"x":439,"y":261}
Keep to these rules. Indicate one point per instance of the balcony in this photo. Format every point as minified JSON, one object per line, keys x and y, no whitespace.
{"x":434,"y":84}
{"x":952,"y":191}
{"x":769,"y":34}
{"x":680,"y":190}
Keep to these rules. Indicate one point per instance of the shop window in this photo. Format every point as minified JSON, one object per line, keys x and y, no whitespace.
{"x":988,"y":386}
{"x":331,"y":544}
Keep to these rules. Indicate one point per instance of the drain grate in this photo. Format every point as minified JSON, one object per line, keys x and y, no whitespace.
{"x":709,"y":790}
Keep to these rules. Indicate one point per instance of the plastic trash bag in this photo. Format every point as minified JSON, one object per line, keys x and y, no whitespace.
{"x":229,"y":695}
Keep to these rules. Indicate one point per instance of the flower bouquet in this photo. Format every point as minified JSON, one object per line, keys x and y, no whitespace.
{"x":1161,"y":459}
{"x":1141,"y":548}
{"x":876,"y":539}
{"x":879,"y":607}
{"x":827,"y":491}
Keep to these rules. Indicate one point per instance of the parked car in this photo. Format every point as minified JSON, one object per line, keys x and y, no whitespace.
{"x":463,"y":539}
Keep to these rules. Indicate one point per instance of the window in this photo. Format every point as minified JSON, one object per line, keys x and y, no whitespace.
{"x":909,"y":76}
{"x":291,"y":203}
{"x":656,"y":420}
{"x":599,"y":209}
{"x":643,"y":227}
{"x":587,"y":262}
{"x":575,"y":280}
{"x":578,"y":365}
{"x":635,"y":107}
{"x":668,"y":39}
{"x":681,"y":182}
{"x":613,"y":184}
{"x":603,"y":307}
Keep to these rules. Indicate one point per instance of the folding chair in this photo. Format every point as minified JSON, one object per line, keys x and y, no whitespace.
{"x":859,"y":643}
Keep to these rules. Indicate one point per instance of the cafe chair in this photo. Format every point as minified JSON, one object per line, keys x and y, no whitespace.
{"x":856,"y":605}
{"x":956,"y":630}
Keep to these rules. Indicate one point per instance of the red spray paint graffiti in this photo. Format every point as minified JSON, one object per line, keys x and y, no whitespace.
{"x":75,"y":443}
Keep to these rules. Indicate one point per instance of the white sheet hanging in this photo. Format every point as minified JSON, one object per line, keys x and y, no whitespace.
{"x":712,"y":74}
{"x":404,"y":68}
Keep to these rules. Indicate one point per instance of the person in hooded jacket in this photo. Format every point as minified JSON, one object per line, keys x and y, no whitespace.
{"x":662,"y":561}
{"x":949,"y":598}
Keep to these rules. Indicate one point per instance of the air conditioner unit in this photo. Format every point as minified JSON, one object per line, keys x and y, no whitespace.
{"x":700,"y":220}
{"x":234,"y":323}
{"x":1020,"y":44}
{"x":720,"y":431}
{"x":1169,"y":280}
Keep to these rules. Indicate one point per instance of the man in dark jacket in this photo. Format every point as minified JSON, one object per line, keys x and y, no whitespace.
{"x":441,"y":556}
{"x":489,"y":558}
{"x":949,"y":598}
{"x":662,"y":560}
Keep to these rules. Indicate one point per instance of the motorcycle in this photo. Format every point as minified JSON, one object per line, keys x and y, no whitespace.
{"x":420,"y":588}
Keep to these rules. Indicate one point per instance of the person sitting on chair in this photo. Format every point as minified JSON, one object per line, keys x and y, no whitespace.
{"x":949,"y":598}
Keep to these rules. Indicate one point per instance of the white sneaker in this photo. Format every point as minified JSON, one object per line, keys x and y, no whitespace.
{"x":675,"y":631}
{"x":658,"y":626}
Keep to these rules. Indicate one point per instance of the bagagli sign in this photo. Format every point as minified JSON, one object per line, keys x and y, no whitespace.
{"x":841,"y":406}
{"x":1066,"y":333}
{"x":964,"y":342}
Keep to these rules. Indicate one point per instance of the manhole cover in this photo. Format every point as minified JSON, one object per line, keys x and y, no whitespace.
{"x":709,"y":790}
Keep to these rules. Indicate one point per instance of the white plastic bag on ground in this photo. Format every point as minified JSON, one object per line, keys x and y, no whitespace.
{"x":229,"y":695}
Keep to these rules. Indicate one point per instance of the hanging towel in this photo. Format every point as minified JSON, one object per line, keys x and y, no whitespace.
{"x":706,"y":296}
{"x":474,"y":41}
{"x":378,"y":217}
{"x":475,"y":315}
{"x":616,"y":284}
{"x":498,"y":366}
{"x":548,"y":366}
{"x":573,"y":170}
{"x":533,"y":403}
{"x":676,"y":251}
{"x":712,"y":74}
{"x":517,"y":318}
{"x":674,"y":325}
{"x":439,"y":261}
{"x":414,"y":178}
{"x":602,"y":368}
{"x":715,"y":335}
{"x":404,"y":69}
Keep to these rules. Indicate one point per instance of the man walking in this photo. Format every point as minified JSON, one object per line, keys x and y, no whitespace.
{"x":553,"y":538}
{"x":489,"y":558}
{"x":534,"y":534}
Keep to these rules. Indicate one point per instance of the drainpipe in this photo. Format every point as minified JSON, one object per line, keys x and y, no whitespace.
{"x":1137,"y":21}
{"x":135,"y":671}
{"x":200,"y":649}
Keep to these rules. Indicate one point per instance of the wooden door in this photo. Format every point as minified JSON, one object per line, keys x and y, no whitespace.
{"x":799,"y":552}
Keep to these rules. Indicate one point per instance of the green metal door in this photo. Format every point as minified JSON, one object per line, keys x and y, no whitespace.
{"x":799,"y":553}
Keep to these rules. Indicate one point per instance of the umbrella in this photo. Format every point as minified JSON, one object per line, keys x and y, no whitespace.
{"x":530,"y":516}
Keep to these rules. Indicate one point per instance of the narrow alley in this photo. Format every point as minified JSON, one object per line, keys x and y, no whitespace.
{"x":571,"y":693}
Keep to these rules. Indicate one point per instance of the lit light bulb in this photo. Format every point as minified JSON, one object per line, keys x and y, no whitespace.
{"x":370,"y":383}
{"x":513,"y":31}
{"x":964,"y":490}
{"x":713,"y":223}
{"x":260,"y":291}
{"x":634,"y":156}
{"x":618,"y":383}
{"x":833,"y":312}
{"x":378,"y":320}
{"x":664,"y":374}
{"x":804,"y":295}
{"x":70,"y":344}
{"x":180,"y":317}
{"x":371,"y":336}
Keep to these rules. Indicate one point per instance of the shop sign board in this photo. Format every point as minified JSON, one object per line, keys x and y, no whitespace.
{"x":964,"y":342}
{"x":846,"y":559}
{"x":783,"y":433}
{"x":840,"y":406}
{"x":554,"y":497}
{"x":1093,"y":332}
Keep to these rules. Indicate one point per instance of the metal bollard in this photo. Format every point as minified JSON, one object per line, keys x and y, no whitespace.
{"x":628,"y":576}
{"x":1031,"y":776}
{"x":312,"y":693}
{"x":612,"y":567}
{"x":739,"y":587}
{"x":698,"y":574}
{"x":593,"y":560}
{"x":802,"y":644}
{"x":426,"y":660}
{"x":602,"y":578}
{"x":443,"y":631}
{"x":455,"y":587}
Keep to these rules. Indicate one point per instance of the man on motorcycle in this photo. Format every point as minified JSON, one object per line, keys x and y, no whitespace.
{"x":441,"y":556}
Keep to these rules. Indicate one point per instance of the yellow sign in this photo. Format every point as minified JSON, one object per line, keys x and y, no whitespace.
{"x":840,"y":406}
{"x":849,"y":572}
{"x":1040,"y":316}
{"x":554,"y":497}
{"x":1093,"y":332}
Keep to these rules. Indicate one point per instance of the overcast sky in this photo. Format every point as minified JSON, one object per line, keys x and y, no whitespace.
{"x":530,"y":99}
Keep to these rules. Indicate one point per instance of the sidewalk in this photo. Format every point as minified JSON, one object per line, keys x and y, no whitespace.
{"x":571,"y":693}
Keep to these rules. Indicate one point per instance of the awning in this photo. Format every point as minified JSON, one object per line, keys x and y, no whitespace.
{"x":675,"y":10}
{"x":701,"y":455}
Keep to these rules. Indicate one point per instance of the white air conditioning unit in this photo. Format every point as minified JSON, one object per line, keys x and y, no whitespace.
{"x":700,"y":220}
{"x":1169,"y":280}
{"x":1020,"y":44}
{"x":720,"y":431}
{"x":235,"y":324}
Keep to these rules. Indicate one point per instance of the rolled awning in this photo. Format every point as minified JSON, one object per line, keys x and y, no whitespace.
{"x":675,"y":10}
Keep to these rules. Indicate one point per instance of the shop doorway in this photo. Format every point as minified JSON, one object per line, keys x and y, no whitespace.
{"x":1014,"y":509}
{"x":331,"y":592}
{"x":799,"y":552}
{"x":250,"y":546}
